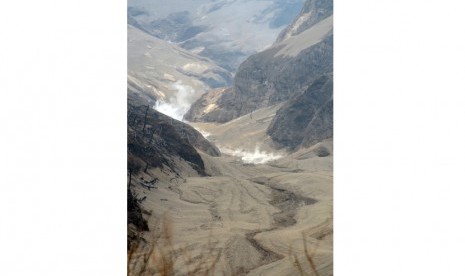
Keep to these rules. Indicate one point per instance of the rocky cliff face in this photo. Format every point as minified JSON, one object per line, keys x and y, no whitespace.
{"x":312,"y":12}
{"x":299,"y":67}
{"x":300,"y":56}
{"x":307,"y":118}
{"x":156,"y":140}
{"x":209,"y":109}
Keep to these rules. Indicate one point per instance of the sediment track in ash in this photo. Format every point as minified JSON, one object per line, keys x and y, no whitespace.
{"x":253,"y":213}
{"x":287,"y":202}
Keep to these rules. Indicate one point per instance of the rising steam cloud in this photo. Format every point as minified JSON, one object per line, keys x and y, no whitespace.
{"x":248,"y":157}
{"x":179,"y":104}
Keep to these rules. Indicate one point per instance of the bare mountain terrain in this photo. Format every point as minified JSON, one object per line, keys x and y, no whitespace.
{"x":165,"y":73}
{"x":246,"y":218}
{"x":311,"y":13}
{"x":307,"y":118}
{"x":277,"y":74}
{"x":226,"y":31}
{"x":244,"y":187}
{"x":156,"y":141}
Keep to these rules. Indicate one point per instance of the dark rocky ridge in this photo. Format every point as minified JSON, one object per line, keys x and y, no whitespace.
{"x":157,"y":141}
{"x":219,"y":114}
{"x":307,"y":118}
{"x":154,"y":139}
{"x":315,"y":10}
{"x":136,"y":223}
{"x":268,"y":78}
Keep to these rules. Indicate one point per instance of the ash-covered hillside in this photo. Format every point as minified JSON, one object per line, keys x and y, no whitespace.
{"x":307,"y":118}
{"x":234,"y":213}
{"x":312,"y":12}
{"x":159,"y":141}
{"x":302,"y":54}
{"x":158,"y":146}
{"x":226,"y":31}
{"x":169,"y":75}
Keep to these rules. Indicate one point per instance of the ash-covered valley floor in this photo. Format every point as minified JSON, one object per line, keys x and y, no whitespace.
{"x":255,"y":197}
{"x":245,"y":218}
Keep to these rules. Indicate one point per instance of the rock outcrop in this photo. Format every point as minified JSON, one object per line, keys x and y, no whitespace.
{"x":156,"y":140}
{"x":288,"y":68}
{"x":209,"y":108}
{"x":312,"y":12}
{"x":307,"y":118}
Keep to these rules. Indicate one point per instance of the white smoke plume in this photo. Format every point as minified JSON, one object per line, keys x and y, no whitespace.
{"x":248,"y":157}
{"x":179,"y":104}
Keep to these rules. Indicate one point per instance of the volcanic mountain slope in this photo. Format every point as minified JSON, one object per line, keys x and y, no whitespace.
{"x":156,"y":141}
{"x":277,"y":74}
{"x":215,"y":29}
{"x":307,"y":118}
{"x":312,"y":12}
{"x":251,"y":210}
{"x":163,"y":72}
{"x":245,"y":218}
